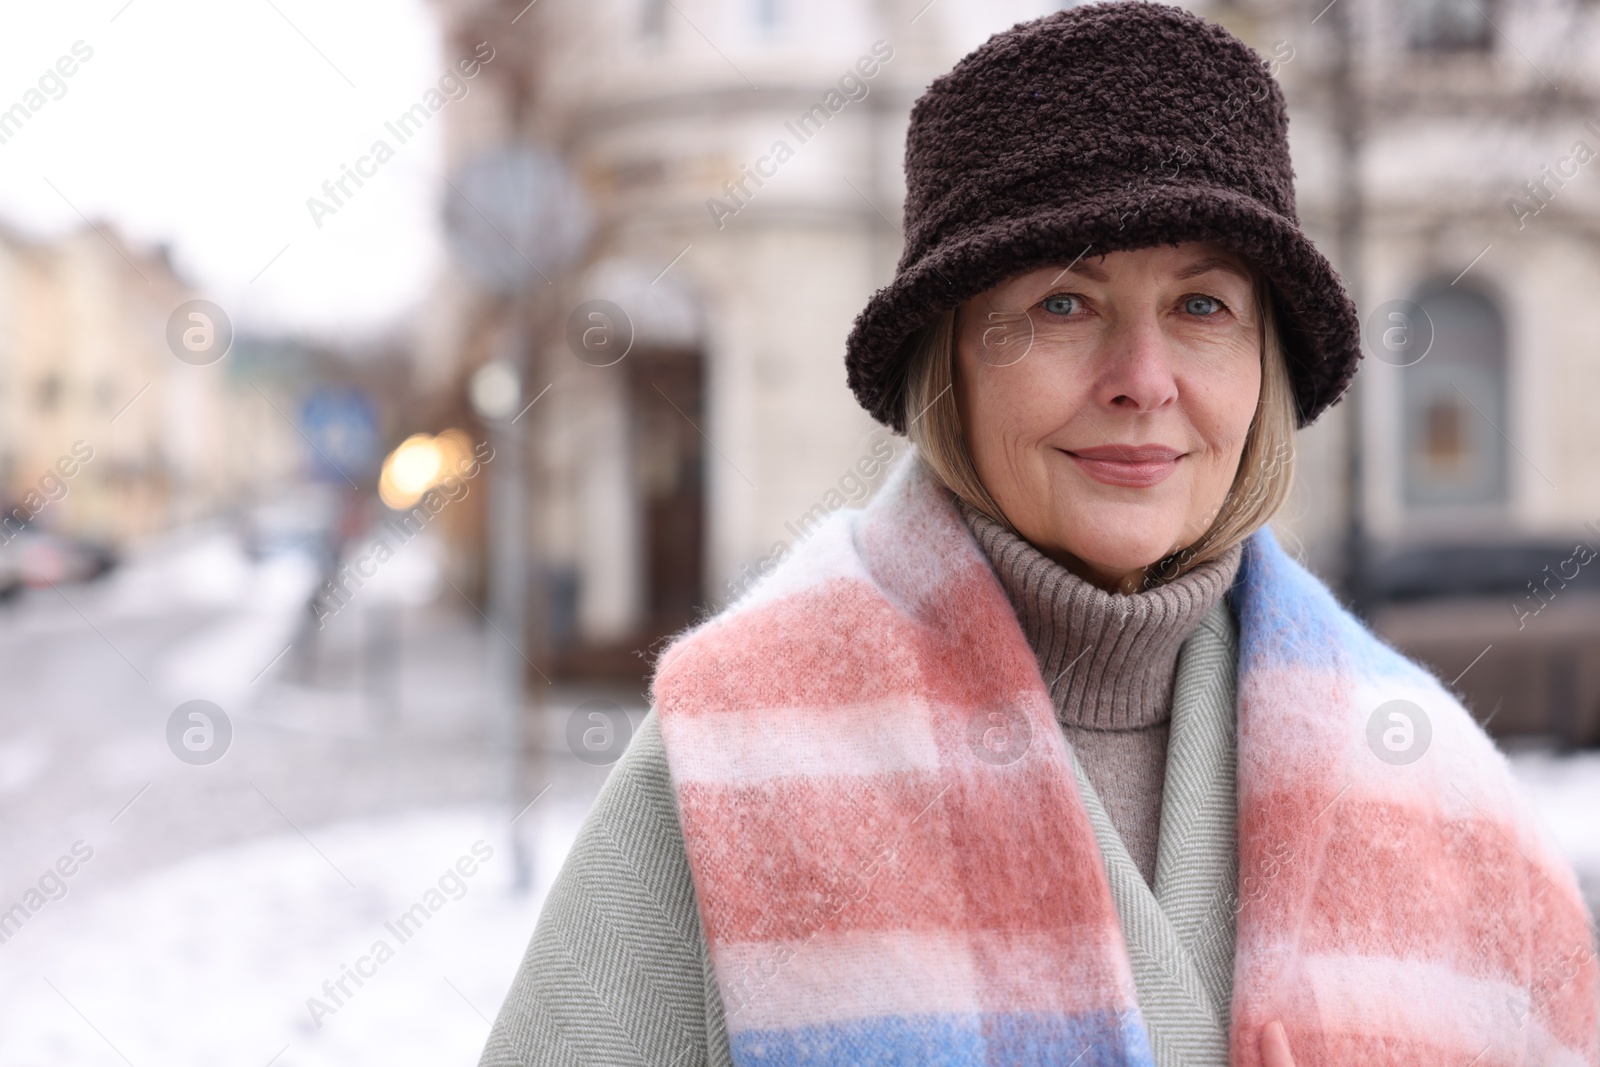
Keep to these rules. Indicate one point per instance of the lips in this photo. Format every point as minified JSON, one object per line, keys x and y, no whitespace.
{"x":1130,"y":466}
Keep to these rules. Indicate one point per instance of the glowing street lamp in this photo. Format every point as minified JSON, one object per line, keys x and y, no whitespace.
{"x":495,"y":390}
{"x":421,"y":462}
{"x":410,"y":470}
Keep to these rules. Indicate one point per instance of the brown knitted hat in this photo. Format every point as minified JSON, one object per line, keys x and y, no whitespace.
{"x":1115,"y":126}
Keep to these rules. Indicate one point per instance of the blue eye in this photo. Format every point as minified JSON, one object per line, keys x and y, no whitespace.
{"x":1061,"y":304}
{"x":1201,"y":305}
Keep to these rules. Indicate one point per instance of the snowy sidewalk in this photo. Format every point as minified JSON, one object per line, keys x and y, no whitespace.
{"x":215,"y":960}
{"x":220,"y":905}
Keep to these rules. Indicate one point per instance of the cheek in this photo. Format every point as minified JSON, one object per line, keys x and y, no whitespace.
{"x":1223,"y":423}
{"x":1225,"y":407}
{"x":1006,"y":412}
{"x":980,"y":396}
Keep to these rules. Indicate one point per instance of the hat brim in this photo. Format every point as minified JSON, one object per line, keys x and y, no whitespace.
{"x":1317,"y":320}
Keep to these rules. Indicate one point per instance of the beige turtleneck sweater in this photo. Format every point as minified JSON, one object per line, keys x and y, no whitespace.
{"x":1109,"y":661}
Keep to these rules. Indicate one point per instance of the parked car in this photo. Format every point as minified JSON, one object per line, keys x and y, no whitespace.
{"x":11,"y":582}
{"x":43,"y":558}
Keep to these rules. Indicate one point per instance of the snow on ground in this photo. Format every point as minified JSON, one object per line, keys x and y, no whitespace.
{"x":212,"y":960}
{"x":263,"y":603}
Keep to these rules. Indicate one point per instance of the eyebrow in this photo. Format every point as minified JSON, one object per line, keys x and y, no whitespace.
{"x":1210,"y":263}
{"x":1198,"y":267}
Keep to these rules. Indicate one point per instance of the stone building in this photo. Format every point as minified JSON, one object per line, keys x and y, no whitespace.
{"x":90,"y":386}
{"x":742,"y":166}
{"x":1475,"y":214}
{"x":742,"y":163}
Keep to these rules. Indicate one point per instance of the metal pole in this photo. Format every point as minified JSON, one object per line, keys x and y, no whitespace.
{"x":535,"y":602}
{"x":508,"y":586}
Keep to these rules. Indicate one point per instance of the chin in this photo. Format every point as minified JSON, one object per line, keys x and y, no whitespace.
{"x":1119,"y":536}
{"x":1117,"y":550}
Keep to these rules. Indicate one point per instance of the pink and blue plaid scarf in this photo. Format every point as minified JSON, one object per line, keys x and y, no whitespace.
{"x":894,"y":865}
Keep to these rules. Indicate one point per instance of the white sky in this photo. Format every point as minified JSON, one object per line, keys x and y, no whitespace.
{"x":208,"y":124}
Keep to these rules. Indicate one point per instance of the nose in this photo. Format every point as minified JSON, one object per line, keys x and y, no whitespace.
{"x":1136,"y":368}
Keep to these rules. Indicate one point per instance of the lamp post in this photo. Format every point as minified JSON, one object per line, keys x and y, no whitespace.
{"x":515,"y":217}
{"x":496,"y":394}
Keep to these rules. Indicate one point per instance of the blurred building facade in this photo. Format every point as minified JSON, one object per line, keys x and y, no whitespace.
{"x":743,"y":160}
{"x":105,"y":435}
{"x":1474,"y":208}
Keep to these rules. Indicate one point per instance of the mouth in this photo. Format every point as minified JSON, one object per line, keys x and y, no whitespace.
{"x":1130,"y":466}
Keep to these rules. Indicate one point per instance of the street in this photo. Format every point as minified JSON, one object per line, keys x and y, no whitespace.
{"x":219,"y":897}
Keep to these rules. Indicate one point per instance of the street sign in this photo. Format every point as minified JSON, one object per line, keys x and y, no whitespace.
{"x":342,"y":428}
{"x":516,"y":215}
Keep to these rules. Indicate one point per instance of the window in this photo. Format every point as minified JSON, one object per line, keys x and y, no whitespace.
{"x":1450,"y":25}
{"x":768,"y":14}
{"x":653,"y":20}
{"x":1453,"y":403}
{"x":50,"y":390}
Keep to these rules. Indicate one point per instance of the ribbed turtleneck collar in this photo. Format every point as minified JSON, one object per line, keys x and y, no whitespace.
{"x":1108,"y":659}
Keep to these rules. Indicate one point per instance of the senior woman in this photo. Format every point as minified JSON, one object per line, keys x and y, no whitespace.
{"x":1050,"y":754}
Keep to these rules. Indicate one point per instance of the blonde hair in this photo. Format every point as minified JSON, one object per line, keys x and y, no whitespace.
{"x":1260,"y":485}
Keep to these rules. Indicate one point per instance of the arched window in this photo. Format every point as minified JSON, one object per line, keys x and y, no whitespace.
{"x":1450,"y":25}
{"x":653,"y":20}
{"x":1453,"y":403}
{"x":769,"y":14}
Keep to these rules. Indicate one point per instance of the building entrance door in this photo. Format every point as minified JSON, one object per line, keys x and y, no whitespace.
{"x":667,"y":407}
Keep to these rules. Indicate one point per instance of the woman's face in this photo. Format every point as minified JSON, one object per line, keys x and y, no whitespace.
{"x":1105,"y":404}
